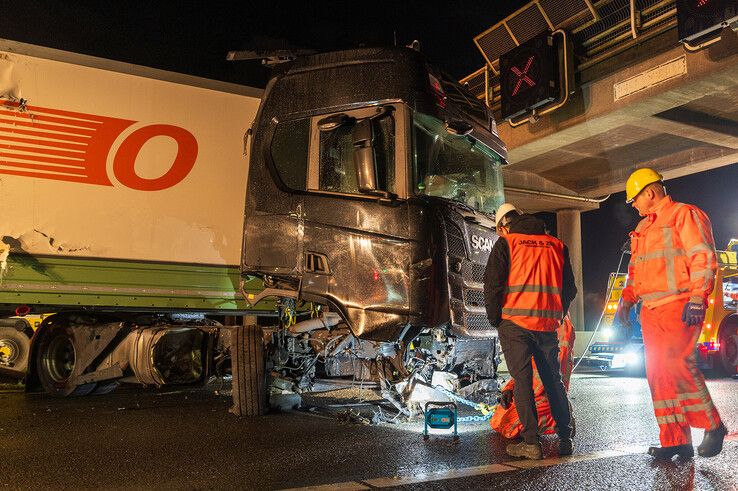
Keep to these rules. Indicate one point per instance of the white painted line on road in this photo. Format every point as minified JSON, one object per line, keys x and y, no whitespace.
{"x":341,"y":486}
{"x":509,"y":466}
{"x":386,"y":482}
{"x":528,"y":464}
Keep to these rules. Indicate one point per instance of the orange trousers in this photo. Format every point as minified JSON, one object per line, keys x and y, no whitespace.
{"x":507,"y":422}
{"x":680,"y":398}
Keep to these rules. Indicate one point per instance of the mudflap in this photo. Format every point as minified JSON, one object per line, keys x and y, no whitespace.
{"x":249,"y":372}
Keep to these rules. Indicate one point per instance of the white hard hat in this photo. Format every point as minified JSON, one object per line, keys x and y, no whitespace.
{"x":503,"y":210}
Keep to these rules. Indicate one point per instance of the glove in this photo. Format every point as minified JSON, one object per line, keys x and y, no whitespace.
{"x":693,"y":314}
{"x":506,"y":399}
{"x":622,"y":316}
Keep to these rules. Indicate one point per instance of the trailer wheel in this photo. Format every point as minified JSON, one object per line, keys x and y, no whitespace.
{"x":57,"y":356}
{"x":728,"y":353}
{"x":14,"y":350}
{"x":249,"y":373}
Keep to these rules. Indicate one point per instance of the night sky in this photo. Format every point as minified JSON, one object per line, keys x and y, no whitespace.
{"x":194,"y":36}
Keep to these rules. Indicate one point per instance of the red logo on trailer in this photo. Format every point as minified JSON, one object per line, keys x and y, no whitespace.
{"x":70,"y":146}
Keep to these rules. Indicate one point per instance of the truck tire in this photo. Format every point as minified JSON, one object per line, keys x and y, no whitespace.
{"x":15,"y":347}
{"x":249,"y":373}
{"x":727,"y":362}
{"x":55,"y":363}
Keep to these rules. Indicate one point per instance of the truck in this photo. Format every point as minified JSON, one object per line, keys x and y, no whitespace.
{"x":717,"y":346}
{"x":336,"y":224}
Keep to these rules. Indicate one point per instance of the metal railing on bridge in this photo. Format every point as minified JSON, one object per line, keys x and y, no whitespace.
{"x":598,"y":29}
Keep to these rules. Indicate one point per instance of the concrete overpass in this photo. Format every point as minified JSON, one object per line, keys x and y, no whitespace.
{"x":640,"y":98}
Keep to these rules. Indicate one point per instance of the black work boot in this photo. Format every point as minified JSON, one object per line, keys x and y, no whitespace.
{"x":532,"y":451}
{"x":685,"y":451}
{"x":712,"y":443}
{"x":566,"y":446}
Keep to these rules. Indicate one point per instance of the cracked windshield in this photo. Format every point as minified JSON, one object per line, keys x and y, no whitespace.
{"x":455,"y":167}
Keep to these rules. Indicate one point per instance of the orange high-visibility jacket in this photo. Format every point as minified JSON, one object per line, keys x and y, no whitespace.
{"x":672,"y":256}
{"x":533,"y":298}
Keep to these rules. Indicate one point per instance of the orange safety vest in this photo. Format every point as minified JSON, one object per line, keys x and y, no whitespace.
{"x":533,"y":297}
{"x":672,"y":256}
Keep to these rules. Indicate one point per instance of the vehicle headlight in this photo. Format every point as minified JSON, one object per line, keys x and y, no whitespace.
{"x":607,"y":333}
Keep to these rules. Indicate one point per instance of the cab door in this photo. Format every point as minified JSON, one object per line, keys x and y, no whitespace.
{"x":357,"y":245}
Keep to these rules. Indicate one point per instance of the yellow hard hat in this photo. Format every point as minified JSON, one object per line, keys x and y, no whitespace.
{"x":638,"y":180}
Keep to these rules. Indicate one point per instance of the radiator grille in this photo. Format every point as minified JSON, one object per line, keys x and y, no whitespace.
{"x":473,"y":272}
{"x":474,"y":298}
{"x":478,"y":323}
{"x":455,"y":241}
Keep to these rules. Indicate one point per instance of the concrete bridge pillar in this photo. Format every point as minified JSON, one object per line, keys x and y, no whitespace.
{"x":569,"y":230}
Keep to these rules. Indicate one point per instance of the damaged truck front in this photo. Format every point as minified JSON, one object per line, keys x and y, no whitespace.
{"x":370,"y":185}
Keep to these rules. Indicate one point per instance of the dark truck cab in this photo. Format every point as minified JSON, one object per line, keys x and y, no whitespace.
{"x":372,"y":186}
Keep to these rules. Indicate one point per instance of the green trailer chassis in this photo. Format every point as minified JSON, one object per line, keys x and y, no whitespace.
{"x":54,"y":283}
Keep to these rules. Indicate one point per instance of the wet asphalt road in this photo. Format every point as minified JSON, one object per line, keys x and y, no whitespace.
{"x":140,"y":439}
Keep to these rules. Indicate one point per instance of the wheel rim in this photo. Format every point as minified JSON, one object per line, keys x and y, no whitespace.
{"x":9,"y":351}
{"x":60,"y":358}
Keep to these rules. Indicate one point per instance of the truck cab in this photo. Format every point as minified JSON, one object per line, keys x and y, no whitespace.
{"x":375,"y":197}
{"x":372,"y":188}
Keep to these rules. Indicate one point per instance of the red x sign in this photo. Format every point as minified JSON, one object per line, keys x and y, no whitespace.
{"x":523,"y":76}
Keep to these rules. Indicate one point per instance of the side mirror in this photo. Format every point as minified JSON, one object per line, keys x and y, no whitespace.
{"x":334,"y":121}
{"x":458,"y":127}
{"x":364,"y":160}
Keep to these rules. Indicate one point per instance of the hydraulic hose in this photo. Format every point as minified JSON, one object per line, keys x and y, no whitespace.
{"x":604,"y":309}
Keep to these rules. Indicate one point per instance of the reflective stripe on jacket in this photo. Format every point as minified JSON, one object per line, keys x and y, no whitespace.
{"x":533,"y":296}
{"x":672,"y":256}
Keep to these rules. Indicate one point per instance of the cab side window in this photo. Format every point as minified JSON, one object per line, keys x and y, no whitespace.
{"x":290,"y":147}
{"x":337,"y":172}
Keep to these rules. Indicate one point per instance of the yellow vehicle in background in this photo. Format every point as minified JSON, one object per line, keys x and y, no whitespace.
{"x":718,"y":342}
{"x":613,"y":353}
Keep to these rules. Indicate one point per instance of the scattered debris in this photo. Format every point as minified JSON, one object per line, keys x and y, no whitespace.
{"x":353,"y":416}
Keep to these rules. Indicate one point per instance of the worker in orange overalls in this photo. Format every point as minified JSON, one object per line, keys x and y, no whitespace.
{"x":528,"y":287}
{"x":672,"y":270}
{"x":506,"y":420}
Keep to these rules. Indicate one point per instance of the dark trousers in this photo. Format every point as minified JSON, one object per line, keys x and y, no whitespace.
{"x":519,"y":345}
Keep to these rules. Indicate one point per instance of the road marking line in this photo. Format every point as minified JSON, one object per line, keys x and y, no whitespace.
{"x":509,"y":466}
{"x":386,"y":482}
{"x":527,"y":464}
{"x":340,"y":486}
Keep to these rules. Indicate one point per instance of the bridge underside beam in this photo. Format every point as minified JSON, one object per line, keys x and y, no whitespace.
{"x":674,"y":110}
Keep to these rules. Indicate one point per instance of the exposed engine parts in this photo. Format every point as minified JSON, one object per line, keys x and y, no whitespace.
{"x":79,"y":354}
{"x":406,"y":371}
